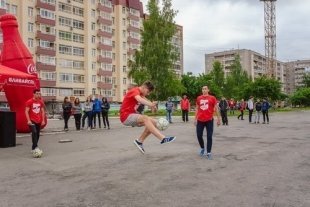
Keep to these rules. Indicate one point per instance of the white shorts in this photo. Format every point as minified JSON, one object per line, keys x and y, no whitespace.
{"x":132,"y":120}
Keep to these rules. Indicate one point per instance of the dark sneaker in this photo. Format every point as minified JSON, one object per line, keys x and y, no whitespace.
{"x":209,"y":156}
{"x":139,"y":145}
{"x":202,"y":152}
{"x":167,"y":140}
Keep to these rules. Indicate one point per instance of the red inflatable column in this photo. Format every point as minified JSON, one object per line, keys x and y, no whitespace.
{"x":16,"y":55}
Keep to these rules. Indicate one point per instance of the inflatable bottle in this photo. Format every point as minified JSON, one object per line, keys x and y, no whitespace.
{"x":16,"y":55}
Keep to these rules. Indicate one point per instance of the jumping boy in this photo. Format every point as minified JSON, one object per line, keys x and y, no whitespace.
{"x":130,"y":117}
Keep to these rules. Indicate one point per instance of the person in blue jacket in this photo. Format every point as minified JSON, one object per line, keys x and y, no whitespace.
{"x":265,"y":108}
{"x":97,"y":110}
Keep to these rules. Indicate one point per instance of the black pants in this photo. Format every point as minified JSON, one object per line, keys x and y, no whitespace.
{"x":66,"y":118}
{"x":250,"y":115}
{"x":94,"y":118}
{"x":35,"y":133}
{"x":105,"y":118}
{"x":265,"y":115}
{"x":77,"y":118}
{"x":199,"y":130}
{"x":185,"y":115}
{"x":224,"y":117}
{"x":241,"y":115}
{"x":89,"y":116}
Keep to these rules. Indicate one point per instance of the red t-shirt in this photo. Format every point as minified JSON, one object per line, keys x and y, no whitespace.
{"x":205,"y":107}
{"x":129,"y":103}
{"x":35,"y":110}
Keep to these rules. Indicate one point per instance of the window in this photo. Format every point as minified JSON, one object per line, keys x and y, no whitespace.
{"x":78,"y":24}
{"x":106,"y":66}
{"x":93,"y":39}
{"x":106,"y":41}
{"x":78,"y":11}
{"x":65,"y":49}
{"x":2,"y":4}
{"x":46,"y":29}
{"x":123,"y":10}
{"x":63,"y":35}
{"x":30,"y":42}
{"x":78,"y":78}
{"x":78,"y":38}
{"x":47,"y":14}
{"x":64,"y":7}
{"x":48,"y":91}
{"x":93,"y":26}
{"x":93,"y":91}
{"x":93,"y":52}
{"x":134,"y":23}
{"x":124,"y":45}
{"x":46,"y":44}
{"x":48,"y":60}
{"x":93,"y":65}
{"x":78,"y":51}
{"x":124,"y":81}
{"x":30,"y":12}
{"x":50,"y":76}
{"x":78,"y":64}
{"x":124,"y":57}
{"x":30,"y":27}
{"x":106,"y":54}
{"x":124,"y":33}
{"x":65,"y":92}
{"x":106,"y":3}
{"x":106,"y":15}
{"x":64,"y":21}
{"x":113,"y":68}
{"x":66,"y":77}
{"x":14,"y":9}
{"x":106,"y":28}
{"x":93,"y":13}
{"x":93,"y":78}
{"x":53,"y":2}
{"x":124,"y":69}
{"x":78,"y":92}
{"x":124,"y":22}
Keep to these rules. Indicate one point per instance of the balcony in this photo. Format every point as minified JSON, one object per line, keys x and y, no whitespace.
{"x":45,"y":51}
{"x":104,"y":34}
{"x":41,"y":66}
{"x":47,"y":37}
{"x":133,"y":29}
{"x":104,"y":72}
{"x":104,"y":47}
{"x":104,"y":8}
{"x":133,"y":40}
{"x":133,"y":17}
{"x":102,"y":85}
{"x":47,"y":83}
{"x":42,"y":20}
{"x":131,"y":51}
{"x":104,"y":21}
{"x":104,"y":59}
{"x":47,"y":6}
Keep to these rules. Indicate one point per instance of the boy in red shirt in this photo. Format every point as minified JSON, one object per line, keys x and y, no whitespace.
{"x":35,"y":116}
{"x":206,"y":105}
{"x":185,"y":107}
{"x":130,"y":117}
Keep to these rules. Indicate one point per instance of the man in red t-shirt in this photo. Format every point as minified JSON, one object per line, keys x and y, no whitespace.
{"x":185,"y":107}
{"x":206,"y":105}
{"x":130,"y":117}
{"x":35,"y":116}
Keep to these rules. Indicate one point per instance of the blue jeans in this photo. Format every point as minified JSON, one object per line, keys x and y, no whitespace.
{"x":199,"y":130}
{"x":168,"y":116}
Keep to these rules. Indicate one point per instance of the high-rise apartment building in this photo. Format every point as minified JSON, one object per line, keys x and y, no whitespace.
{"x":252,"y":62}
{"x":295,"y":71}
{"x":82,"y":47}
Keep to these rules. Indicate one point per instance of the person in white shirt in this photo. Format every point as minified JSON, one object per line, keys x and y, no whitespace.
{"x":250,"y":107}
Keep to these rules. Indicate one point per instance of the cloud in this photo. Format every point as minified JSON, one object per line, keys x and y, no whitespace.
{"x":217,"y":25}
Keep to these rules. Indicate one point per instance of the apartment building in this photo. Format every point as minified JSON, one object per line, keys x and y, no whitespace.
{"x":252,"y":62}
{"x":295,"y":71}
{"x":81,"y":47}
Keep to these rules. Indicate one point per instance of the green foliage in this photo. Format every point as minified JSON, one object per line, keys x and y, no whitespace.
{"x":217,"y":74}
{"x":301,"y":97}
{"x":306,"y":80}
{"x":157,"y":55}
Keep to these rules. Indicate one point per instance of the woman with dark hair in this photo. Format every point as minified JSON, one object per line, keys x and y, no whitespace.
{"x":77,"y":113}
{"x":105,"y":106}
{"x":88,"y":111}
{"x":66,"y":107}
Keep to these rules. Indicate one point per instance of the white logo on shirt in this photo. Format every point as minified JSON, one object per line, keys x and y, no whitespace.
{"x":36,"y":108}
{"x":204,"y":104}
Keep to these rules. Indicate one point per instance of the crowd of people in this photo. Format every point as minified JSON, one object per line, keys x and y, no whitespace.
{"x":131,"y":114}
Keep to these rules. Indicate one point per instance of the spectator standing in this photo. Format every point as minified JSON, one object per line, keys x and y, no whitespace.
{"x":258,"y":108}
{"x":223,"y":105}
{"x":185,"y":107}
{"x":242,"y":107}
{"x":77,"y":113}
{"x":66,"y":108}
{"x":105,"y":107}
{"x":232,"y":106}
{"x":88,"y":111}
{"x":250,"y":106}
{"x":169,"y":108}
{"x":97,"y":111}
{"x":265,"y":108}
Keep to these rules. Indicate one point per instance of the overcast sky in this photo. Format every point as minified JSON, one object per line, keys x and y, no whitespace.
{"x":217,"y":25}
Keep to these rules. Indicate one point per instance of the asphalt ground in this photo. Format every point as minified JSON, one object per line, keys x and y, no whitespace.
{"x":254,"y":165}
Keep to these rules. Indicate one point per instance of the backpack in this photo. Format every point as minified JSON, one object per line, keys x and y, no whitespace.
{"x":258,"y":106}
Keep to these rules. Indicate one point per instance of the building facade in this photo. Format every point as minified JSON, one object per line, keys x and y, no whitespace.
{"x":252,"y":62}
{"x":81,"y":47}
{"x":295,"y":71}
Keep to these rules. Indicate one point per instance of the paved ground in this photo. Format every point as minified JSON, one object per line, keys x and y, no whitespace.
{"x":254,"y":165}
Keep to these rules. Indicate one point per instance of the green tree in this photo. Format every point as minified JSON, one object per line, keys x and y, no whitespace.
{"x":236,"y":80}
{"x":306,"y":80}
{"x":301,"y":97}
{"x":157,"y":56}
{"x":217,"y":74}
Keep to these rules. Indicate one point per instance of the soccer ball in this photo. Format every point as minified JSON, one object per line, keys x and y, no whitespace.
{"x":37,"y":153}
{"x":162,"y":124}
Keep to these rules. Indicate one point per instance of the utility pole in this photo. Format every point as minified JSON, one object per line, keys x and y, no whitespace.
{"x":270,"y":37}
